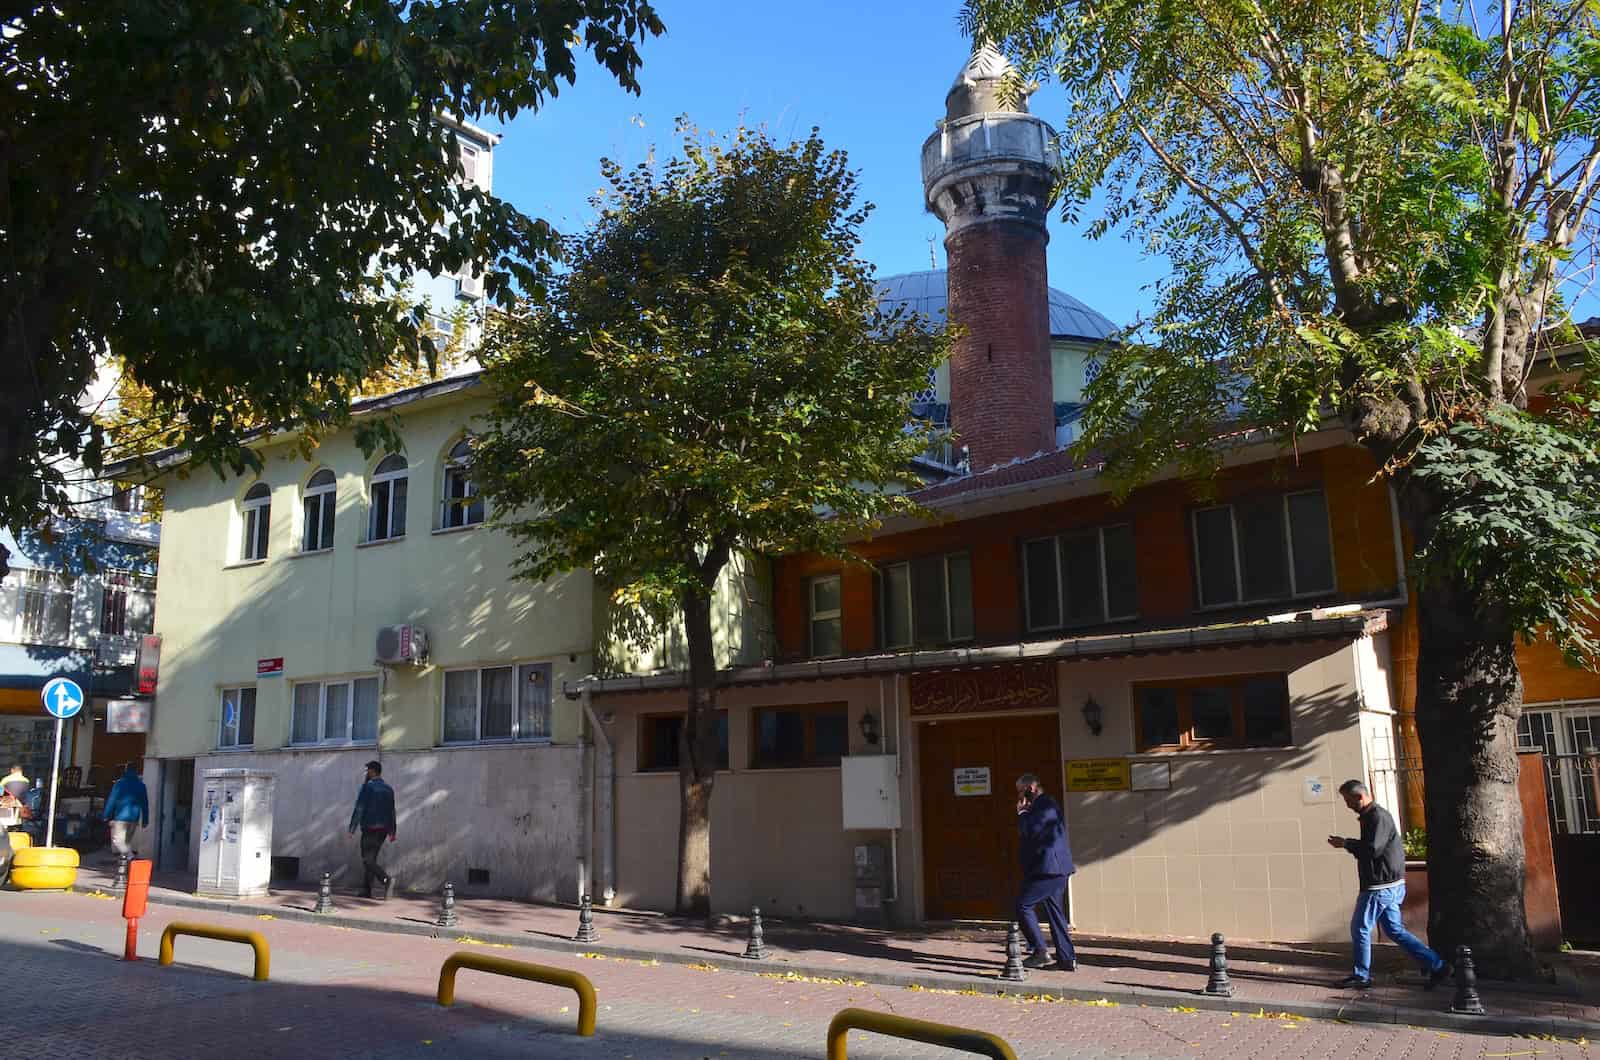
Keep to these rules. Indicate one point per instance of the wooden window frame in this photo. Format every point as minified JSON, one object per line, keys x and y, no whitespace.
{"x":1061,"y":592}
{"x":911,"y":596}
{"x":836,"y":615}
{"x":647,"y":743}
{"x":1235,"y":683}
{"x":1239,"y":599}
{"x":809,"y":757}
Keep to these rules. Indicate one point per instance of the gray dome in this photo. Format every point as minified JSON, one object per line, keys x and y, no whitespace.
{"x":925,"y":292}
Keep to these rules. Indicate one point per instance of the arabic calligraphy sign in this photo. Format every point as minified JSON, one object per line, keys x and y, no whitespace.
{"x":1014,"y":686}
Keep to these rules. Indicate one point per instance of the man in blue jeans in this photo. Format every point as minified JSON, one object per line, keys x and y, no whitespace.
{"x":1381,"y":864}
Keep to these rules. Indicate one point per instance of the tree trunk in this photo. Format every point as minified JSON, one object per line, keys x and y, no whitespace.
{"x":1469,"y":696}
{"x":697,"y":760}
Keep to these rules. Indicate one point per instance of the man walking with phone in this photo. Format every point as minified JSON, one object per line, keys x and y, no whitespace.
{"x":1046,"y":864}
{"x":1381,"y":865}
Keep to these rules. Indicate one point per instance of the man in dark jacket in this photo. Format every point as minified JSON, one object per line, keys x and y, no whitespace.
{"x":1381,"y":865}
{"x":374,"y":819}
{"x":1046,"y":864}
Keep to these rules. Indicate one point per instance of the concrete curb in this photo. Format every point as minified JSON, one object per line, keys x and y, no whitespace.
{"x":1355,"y":1012}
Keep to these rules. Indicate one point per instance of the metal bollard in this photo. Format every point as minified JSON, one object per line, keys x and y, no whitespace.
{"x":586,"y":932}
{"x":324,"y":895}
{"x":447,"y":907}
{"x":756,"y":948}
{"x":1466,"y":1002}
{"x":1013,"y":972}
{"x":1218,"y":983}
{"x":120,"y":882}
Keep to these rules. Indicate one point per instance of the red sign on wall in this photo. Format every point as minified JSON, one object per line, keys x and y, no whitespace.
{"x":149,"y":663}
{"x":269,"y":667}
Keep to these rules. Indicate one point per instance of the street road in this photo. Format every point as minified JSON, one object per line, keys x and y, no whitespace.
{"x":346,"y":993}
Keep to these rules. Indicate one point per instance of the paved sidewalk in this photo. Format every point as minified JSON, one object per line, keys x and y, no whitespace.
{"x":1268,"y":977}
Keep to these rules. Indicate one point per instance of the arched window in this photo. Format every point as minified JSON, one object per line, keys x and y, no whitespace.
{"x":463,"y":506}
{"x":257,"y":509}
{"x":321,"y":498}
{"x":386,"y":509}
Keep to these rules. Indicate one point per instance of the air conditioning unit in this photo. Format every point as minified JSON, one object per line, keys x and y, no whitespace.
{"x":469,"y":287}
{"x":402,"y":644}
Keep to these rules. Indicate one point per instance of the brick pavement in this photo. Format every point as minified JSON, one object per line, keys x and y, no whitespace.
{"x":1161,"y":972}
{"x":360,"y":993}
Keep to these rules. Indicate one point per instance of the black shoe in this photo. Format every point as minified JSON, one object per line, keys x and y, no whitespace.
{"x":1354,"y":982}
{"x":1438,"y":975}
{"x":1037,"y":960}
{"x":1067,"y":966}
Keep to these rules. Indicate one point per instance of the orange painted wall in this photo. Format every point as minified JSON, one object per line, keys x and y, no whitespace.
{"x":1359,"y":512}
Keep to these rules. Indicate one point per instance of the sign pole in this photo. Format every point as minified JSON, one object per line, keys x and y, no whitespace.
{"x":55,"y":783}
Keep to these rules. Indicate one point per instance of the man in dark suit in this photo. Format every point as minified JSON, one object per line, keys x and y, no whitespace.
{"x":1046,"y":864}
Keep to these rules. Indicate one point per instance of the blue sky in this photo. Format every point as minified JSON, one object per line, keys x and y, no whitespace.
{"x":872,"y":75}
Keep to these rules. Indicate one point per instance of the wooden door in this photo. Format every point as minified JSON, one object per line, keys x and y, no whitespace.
{"x":969,"y":842}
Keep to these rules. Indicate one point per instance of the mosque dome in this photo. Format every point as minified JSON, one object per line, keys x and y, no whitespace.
{"x":925,"y":292}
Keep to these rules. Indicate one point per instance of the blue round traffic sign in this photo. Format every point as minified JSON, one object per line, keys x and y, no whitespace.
{"x":62,"y":697}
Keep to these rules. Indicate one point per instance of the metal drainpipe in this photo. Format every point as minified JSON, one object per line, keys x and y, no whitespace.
{"x":606,"y":796}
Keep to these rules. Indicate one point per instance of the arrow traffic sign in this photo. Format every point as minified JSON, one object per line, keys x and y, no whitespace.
{"x":62,"y":697}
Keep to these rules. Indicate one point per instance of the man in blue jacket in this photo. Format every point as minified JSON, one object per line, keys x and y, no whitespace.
{"x":127,"y":808}
{"x":374,"y":819}
{"x":1046,"y":864}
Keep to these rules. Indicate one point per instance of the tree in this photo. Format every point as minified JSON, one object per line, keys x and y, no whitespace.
{"x":1371,"y":210}
{"x":712,"y":374}
{"x":222,"y":195}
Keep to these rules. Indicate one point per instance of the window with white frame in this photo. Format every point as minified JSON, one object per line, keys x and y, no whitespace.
{"x":470,"y":157}
{"x":238,"y":717}
{"x":321,"y":498}
{"x":927,"y":601}
{"x":257,"y":511}
{"x":826,"y":622}
{"x":497,"y":703}
{"x":341,"y":711}
{"x":44,"y":607}
{"x":386,"y":507}
{"x":127,"y":604}
{"x":128,"y":498}
{"x":1265,"y":548}
{"x":1080,"y":577}
{"x":463,"y":505}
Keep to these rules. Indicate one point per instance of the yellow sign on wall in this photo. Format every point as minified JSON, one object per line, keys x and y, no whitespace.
{"x":1097,"y":774}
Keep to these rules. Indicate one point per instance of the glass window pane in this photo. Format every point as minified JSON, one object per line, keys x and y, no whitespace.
{"x":328,"y":508}
{"x":830,"y":737}
{"x":533,"y":701}
{"x":1263,"y":549}
{"x":1044,"y":605}
{"x":309,"y":539}
{"x":1212,"y":712}
{"x":247,"y":716}
{"x":304,"y":724}
{"x":896,"y":609}
{"x":1313,"y":551}
{"x":1080,"y":576}
{"x":497,"y":702}
{"x":1266,"y":712}
{"x":780,"y":738}
{"x":824,"y":595}
{"x":929,"y":622}
{"x":1158,"y":716}
{"x":336,"y":712}
{"x":140,"y":608}
{"x":1213,"y":537}
{"x":460,"y":705}
{"x":320,"y":479}
{"x":229,"y":734}
{"x":1122,"y":585}
{"x":263,"y":522}
{"x":959,"y":568}
{"x":659,"y":742}
{"x":398,"y":500}
{"x":722,"y":739}
{"x":393,"y":462}
{"x":380,"y":511}
{"x":826,"y":637}
{"x":364,"y":714}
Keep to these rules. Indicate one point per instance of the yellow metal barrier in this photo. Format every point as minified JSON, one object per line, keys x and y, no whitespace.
{"x":224,"y":934}
{"x":538,"y":973}
{"x":860,"y":1019}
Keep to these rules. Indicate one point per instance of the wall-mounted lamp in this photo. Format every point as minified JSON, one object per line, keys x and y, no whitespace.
{"x":869,"y":727}
{"x":1092,"y":716}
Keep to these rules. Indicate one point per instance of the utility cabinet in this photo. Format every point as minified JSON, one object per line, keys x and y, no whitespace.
{"x":235,"y":832}
{"x":871,"y":791}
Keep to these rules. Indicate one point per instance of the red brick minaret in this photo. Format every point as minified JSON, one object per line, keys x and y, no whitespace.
{"x":987,"y":174}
